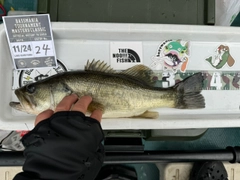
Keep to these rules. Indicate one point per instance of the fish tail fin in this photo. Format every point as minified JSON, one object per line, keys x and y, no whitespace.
{"x":188,"y":93}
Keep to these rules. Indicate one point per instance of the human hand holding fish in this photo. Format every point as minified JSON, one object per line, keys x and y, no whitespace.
{"x":71,"y":103}
{"x":65,"y":140}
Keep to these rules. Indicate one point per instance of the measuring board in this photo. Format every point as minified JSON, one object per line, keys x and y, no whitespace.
{"x":227,"y":80}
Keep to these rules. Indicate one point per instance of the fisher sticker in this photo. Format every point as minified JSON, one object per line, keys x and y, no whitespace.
{"x":124,"y":55}
{"x":172,"y":55}
{"x":24,"y":77}
{"x":221,"y":57}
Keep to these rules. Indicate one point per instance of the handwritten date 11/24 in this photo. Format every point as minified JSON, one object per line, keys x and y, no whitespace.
{"x":28,"y":48}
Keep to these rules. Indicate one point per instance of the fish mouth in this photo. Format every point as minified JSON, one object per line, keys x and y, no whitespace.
{"x":16,"y":105}
{"x":24,"y":102}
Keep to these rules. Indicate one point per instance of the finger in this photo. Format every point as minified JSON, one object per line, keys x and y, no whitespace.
{"x":97,"y":114}
{"x":66,"y":103}
{"x":43,"y":115}
{"x":82,"y":104}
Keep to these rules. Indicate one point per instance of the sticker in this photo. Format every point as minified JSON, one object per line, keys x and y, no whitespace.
{"x":172,"y":55}
{"x":226,"y":80}
{"x":221,"y":57}
{"x":24,"y":77}
{"x":30,"y":41}
{"x":165,"y":80}
{"x":124,"y":55}
{"x":13,"y":142}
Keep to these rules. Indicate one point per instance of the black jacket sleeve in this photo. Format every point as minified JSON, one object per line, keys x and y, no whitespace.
{"x":67,"y":146}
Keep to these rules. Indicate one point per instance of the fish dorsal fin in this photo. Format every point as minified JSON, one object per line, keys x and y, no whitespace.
{"x":98,"y":66}
{"x":141,"y":72}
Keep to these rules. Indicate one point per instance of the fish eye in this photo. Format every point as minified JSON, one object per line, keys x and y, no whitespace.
{"x":30,"y":88}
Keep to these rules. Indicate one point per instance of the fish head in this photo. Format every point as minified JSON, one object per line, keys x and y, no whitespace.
{"x":39,"y":96}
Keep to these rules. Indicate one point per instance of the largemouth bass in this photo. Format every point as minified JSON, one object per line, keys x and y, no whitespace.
{"x":128,"y":93}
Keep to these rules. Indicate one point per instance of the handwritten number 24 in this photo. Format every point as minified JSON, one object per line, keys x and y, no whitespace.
{"x":44,"y":48}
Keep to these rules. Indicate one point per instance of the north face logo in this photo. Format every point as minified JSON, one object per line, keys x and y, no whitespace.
{"x":126,"y":56}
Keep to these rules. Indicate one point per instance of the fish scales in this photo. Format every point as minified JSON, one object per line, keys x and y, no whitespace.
{"x":117,"y":92}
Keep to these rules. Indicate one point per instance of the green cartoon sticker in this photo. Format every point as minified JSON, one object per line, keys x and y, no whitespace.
{"x":221,"y":58}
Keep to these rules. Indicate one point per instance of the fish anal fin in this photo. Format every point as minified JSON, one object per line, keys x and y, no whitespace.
{"x":148,"y":115}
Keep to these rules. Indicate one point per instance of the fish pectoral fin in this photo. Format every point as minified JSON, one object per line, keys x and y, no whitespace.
{"x":148,"y":114}
{"x":95,"y":105}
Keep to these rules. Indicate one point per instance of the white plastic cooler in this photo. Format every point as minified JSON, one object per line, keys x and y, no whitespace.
{"x":75,"y":43}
